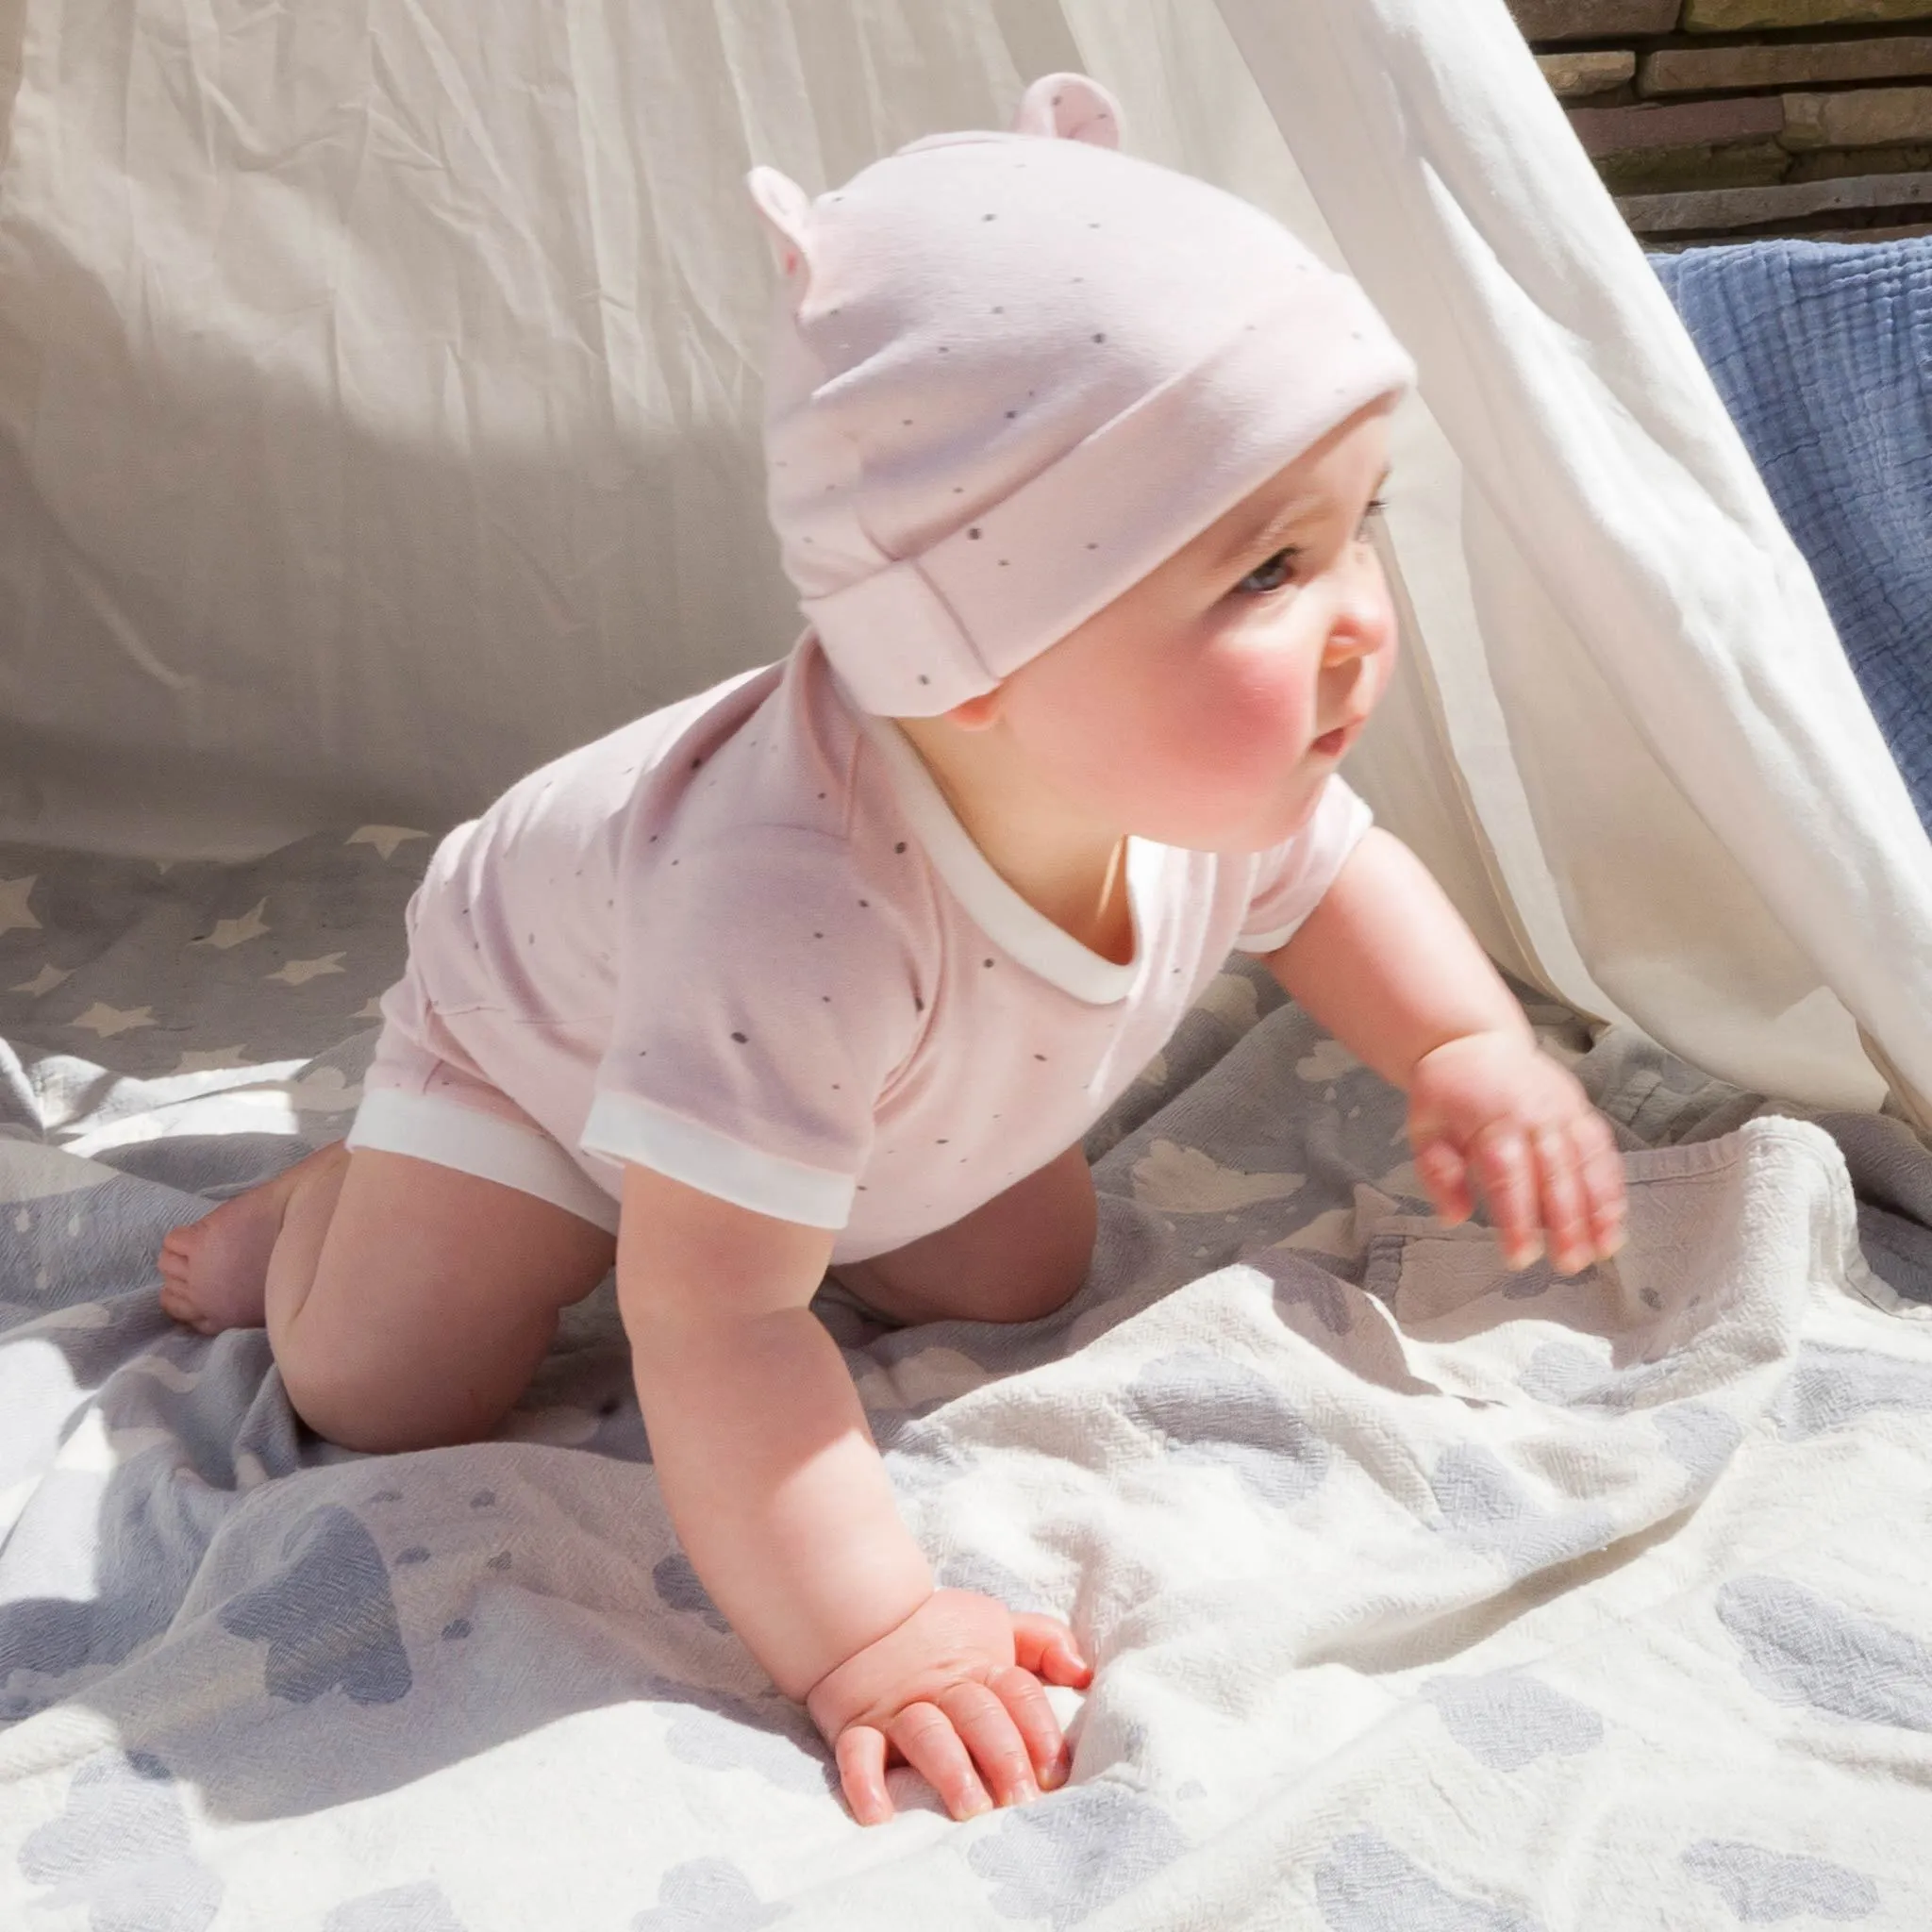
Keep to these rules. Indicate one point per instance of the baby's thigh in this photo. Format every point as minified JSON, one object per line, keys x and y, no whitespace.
{"x":1019,"y":1257}
{"x":435,"y":1293}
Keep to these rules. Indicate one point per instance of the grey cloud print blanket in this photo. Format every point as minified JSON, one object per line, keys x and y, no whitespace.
{"x":1423,"y":1595}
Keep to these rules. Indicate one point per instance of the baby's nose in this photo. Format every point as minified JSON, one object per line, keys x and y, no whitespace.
{"x":1362,"y":624}
{"x":1353,"y":634}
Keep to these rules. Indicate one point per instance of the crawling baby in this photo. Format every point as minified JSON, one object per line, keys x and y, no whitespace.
{"x":1073,"y":462}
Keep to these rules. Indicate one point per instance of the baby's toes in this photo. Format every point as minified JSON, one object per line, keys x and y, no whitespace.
{"x":178,"y":1302}
{"x":179,"y":1243}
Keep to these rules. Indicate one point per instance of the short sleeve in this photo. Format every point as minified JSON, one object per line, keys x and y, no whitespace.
{"x":1291,"y":878}
{"x":766,"y":996}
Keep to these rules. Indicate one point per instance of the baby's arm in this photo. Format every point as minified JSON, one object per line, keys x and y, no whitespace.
{"x":1386,"y":963}
{"x":783,"y":1506}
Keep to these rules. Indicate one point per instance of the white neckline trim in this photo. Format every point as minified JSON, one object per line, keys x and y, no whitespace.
{"x":1005,"y":918}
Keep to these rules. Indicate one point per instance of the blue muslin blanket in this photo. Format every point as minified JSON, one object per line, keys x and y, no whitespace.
{"x":1823,"y":353}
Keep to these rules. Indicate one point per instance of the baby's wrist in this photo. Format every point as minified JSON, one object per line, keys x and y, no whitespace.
{"x":1485,"y":1038}
{"x":829,"y":1700}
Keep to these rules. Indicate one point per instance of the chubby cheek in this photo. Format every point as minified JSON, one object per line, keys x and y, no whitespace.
{"x":1214,"y":758}
{"x":1255,"y":710}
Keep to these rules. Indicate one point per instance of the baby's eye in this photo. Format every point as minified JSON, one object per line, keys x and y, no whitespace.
{"x":1272,"y":576}
{"x":1376,"y":505}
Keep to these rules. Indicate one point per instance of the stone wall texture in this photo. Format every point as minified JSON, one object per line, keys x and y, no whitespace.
{"x":1726,"y":120}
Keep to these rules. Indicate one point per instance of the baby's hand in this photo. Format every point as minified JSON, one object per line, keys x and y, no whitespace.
{"x":955,"y":1685}
{"x":1491,"y":1106}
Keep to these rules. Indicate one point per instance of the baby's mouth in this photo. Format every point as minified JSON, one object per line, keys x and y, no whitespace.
{"x":1331,"y":744}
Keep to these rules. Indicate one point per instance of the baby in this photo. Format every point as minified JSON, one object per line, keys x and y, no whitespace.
{"x":831,"y":967}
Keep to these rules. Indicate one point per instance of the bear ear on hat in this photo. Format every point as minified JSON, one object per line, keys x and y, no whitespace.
{"x":1069,"y":107}
{"x":786,"y":210}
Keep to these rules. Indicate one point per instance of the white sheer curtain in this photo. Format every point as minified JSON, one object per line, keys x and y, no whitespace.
{"x":378,"y":416}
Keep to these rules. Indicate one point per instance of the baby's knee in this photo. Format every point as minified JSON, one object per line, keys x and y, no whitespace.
{"x":1046,"y":1289}
{"x":336,"y":1415}
{"x":1020,"y":1280}
{"x":354,"y":1413}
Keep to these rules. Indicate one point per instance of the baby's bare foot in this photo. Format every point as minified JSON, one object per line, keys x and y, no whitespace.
{"x":214,"y":1271}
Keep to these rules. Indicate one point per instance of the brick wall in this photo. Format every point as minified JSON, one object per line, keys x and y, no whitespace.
{"x":1723,"y":119}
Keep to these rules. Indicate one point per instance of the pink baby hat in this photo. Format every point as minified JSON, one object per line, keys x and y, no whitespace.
{"x":1012,"y":373}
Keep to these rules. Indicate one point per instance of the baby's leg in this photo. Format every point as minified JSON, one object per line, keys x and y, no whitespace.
{"x":408,"y":1302}
{"x":1020,"y":1255}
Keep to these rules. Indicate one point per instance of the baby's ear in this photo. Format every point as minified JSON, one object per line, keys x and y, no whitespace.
{"x":786,"y":210}
{"x":1071,"y":107}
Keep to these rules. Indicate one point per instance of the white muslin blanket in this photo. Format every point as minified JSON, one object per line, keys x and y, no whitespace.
{"x":1421,"y":1594}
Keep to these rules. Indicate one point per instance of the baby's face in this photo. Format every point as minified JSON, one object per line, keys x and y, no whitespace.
{"x":1206,"y":706}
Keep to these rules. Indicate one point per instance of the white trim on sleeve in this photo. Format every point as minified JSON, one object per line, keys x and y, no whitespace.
{"x":452,"y":1134}
{"x":1269,"y":941}
{"x":627,"y":1129}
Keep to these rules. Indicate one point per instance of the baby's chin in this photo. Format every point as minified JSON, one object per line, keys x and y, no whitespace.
{"x":1259,"y":828}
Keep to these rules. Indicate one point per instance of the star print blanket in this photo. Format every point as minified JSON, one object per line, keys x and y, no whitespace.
{"x":1421,"y":1594}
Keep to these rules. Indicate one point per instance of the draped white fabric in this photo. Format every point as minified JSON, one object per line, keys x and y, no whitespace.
{"x":1731,"y":843}
{"x":378,"y":416}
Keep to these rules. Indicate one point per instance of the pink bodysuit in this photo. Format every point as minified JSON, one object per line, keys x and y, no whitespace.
{"x":746,"y":943}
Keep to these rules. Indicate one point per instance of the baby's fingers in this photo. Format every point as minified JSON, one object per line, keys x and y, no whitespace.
{"x":1564,"y":1204}
{"x":860,"y":1754}
{"x":1445,"y":1175}
{"x":927,"y":1739}
{"x":1602,"y":1165}
{"x":1046,"y":1647}
{"x":1039,"y":1728}
{"x":1502,"y":1160}
{"x":989,"y":1726}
